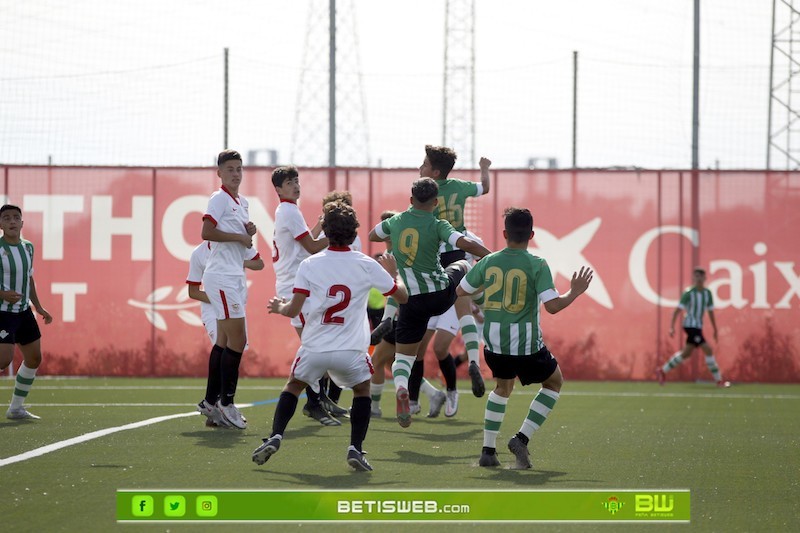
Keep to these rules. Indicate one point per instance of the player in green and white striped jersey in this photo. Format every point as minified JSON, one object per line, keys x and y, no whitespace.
{"x":453,"y":194}
{"x":514,"y":282}
{"x":17,"y":323}
{"x":695,"y":301}
{"x":416,"y":235}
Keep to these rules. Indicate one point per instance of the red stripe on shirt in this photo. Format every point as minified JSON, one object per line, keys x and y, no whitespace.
{"x":256,"y":258}
{"x":209,"y":217}
{"x":302,"y":320}
{"x":224,"y":303}
{"x":229,"y":194}
{"x":300,"y":237}
{"x":301,"y":291}
{"x":192,"y":282}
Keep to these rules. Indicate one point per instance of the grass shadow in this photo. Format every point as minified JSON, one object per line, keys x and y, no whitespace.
{"x":351,"y":479}
{"x":217,"y":438}
{"x":416,"y":458}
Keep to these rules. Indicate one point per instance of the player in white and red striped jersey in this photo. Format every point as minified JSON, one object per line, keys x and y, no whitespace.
{"x":293,"y":242}
{"x":333,"y":287}
{"x":227,"y":224}
{"x":197,"y":266}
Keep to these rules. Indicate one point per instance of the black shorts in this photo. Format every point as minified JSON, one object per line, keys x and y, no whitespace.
{"x":448,"y":258}
{"x":694,"y":336}
{"x":529,"y":369}
{"x":19,"y":328}
{"x":389,"y":336}
{"x":412,"y":320}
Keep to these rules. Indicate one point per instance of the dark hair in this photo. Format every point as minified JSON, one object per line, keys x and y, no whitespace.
{"x":699,"y":270}
{"x":441,"y":158}
{"x":228,"y":155}
{"x":10,"y":207}
{"x":424,"y":190}
{"x":519,"y":224}
{"x":335,"y":196}
{"x":386,"y":215}
{"x":281,"y":174}
{"x":339,"y":223}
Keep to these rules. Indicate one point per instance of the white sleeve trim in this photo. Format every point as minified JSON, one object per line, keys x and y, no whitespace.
{"x":549,"y":294}
{"x":480,"y":188}
{"x":454,"y":239}
{"x":379,"y":231}
{"x":469,"y":289}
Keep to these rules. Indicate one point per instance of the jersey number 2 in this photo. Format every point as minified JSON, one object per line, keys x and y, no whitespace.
{"x":334,"y":292}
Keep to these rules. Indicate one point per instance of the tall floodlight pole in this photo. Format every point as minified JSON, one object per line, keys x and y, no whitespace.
{"x":225,"y":104}
{"x":783,"y":112}
{"x":696,"y":133}
{"x":458,"y":109}
{"x":332,"y":84}
{"x":575,"y":109}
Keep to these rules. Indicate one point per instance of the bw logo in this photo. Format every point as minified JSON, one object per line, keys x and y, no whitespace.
{"x":613,"y":505}
{"x":659,"y":503}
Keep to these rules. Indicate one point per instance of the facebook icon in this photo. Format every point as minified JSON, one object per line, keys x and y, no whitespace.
{"x":142,"y":505}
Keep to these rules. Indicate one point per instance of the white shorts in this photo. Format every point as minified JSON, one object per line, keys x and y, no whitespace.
{"x":210,"y":323}
{"x":447,"y":321}
{"x":228,"y":295}
{"x":347,"y":368}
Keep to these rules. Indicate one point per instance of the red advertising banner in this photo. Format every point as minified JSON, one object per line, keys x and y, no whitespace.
{"x":112,"y":250}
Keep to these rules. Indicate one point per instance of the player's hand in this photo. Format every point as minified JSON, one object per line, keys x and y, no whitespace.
{"x":672,"y":332}
{"x":389,"y":264}
{"x":275,"y":304}
{"x":12,"y":297}
{"x":250,"y":228}
{"x":580,"y":280}
{"x":484,"y":163}
{"x":48,"y":318}
{"x":246,"y":240}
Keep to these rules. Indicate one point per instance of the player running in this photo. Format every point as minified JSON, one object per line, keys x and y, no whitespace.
{"x":227,"y":224}
{"x":17,"y":322}
{"x":197,"y":265}
{"x":416,"y":235}
{"x":333,"y":287}
{"x":453,"y":194}
{"x":514,"y":282}
{"x":694,"y":302}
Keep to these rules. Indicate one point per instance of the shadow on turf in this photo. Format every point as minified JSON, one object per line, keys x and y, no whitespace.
{"x":522,"y":477}
{"x":351,"y":479}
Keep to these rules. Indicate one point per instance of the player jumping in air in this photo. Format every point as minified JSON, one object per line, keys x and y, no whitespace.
{"x":416,"y":235}
{"x":197,"y":265}
{"x":17,"y":323}
{"x":292,"y":243}
{"x":333,"y":286}
{"x":453,"y":194}
{"x":514,"y":282}
{"x":227,"y":224}
{"x":694,"y":302}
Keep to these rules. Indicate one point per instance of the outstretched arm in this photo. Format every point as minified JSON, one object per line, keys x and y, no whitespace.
{"x":291,"y":309}
{"x":472,"y":247}
{"x":484,"y":165}
{"x":313,"y":245}
{"x":578,"y":285}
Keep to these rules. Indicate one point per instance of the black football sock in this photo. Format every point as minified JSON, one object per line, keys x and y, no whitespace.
{"x":334,"y":391}
{"x":448,"y":368}
{"x":313,"y":397}
{"x":415,"y":380}
{"x":229,"y":371}
{"x":214,"y":382}
{"x":287,"y":403}
{"x":459,"y":361}
{"x":359,"y":420}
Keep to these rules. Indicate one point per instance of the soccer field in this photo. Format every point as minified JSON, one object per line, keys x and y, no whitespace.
{"x":737,"y":450}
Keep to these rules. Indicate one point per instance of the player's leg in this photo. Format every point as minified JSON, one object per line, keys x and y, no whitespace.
{"x":540,"y":367}
{"x":387,"y":321}
{"x":284,"y":411}
{"x":381,"y":357}
{"x":469,"y":332}
{"x":354,"y":369}
{"x":504,"y":374}
{"x":28,"y":337}
{"x":418,"y":371}
{"x":441,"y":347}
{"x":678,"y":357}
{"x":207,"y":405}
{"x":711,"y":363}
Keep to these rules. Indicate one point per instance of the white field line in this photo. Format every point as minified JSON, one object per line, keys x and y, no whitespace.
{"x":80,"y":439}
{"x":35,"y":405}
{"x":141,"y":387}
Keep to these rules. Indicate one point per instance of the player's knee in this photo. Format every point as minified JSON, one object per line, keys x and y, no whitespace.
{"x":504,"y":387}
{"x":360,"y":390}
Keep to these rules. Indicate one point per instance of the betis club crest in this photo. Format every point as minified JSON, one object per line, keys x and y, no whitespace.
{"x":613,"y":505}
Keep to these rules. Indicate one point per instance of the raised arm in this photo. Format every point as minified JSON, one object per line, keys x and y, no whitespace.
{"x":578,"y":285}
{"x":472,"y":247}
{"x":313,"y":245}
{"x":484,"y":165}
